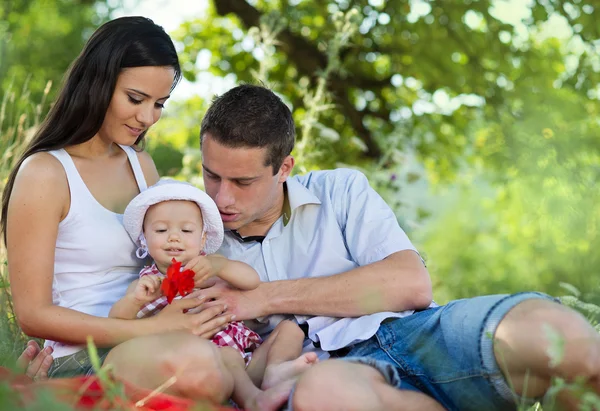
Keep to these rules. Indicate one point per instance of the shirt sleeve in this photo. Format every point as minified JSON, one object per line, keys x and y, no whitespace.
{"x":370,"y":228}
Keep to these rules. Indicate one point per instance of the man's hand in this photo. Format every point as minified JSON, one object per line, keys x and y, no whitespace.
{"x":34,"y":361}
{"x":245,"y":305}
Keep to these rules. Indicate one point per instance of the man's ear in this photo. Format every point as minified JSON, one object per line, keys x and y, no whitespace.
{"x":286,"y":168}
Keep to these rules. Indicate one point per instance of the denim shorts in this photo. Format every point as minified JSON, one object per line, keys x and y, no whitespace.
{"x":446,"y":352}
{"x":75,"y":365}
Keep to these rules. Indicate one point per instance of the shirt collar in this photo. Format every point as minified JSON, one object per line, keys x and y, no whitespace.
{"x":299,"y":195}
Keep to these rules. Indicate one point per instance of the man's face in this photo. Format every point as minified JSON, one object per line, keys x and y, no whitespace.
{"x":246,"y":192}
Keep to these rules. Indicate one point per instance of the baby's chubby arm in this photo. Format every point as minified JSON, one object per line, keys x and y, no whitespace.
{"x":238,"y":274}
{"x":139,"y":292}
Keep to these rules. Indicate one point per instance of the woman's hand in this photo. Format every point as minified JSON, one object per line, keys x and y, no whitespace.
{"x":201,"y":321}
{"x":34,"y":361}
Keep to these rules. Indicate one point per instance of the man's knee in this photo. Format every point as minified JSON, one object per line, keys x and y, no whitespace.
{"x":337,"y":385}
{"x":318,"y":388}
{"x":557,"y":326}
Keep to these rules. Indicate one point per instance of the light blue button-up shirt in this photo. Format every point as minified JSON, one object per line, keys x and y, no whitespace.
{"x":337,"y":223}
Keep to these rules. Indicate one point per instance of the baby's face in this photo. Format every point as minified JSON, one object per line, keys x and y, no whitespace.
{"x":173,"y":229}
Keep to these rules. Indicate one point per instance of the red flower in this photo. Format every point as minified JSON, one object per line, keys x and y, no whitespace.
{"x":177,"y":281}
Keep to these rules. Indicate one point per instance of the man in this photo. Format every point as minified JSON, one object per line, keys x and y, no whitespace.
{"x":333,"y":257}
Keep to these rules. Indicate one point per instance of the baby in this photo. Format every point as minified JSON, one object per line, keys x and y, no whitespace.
{"x":174,"y":221}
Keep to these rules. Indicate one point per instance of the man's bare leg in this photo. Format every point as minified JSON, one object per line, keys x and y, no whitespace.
{"x":336,"y":385}
{"x":521,"y":347}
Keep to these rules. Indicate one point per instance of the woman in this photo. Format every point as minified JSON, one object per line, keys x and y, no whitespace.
{"x":69,"y":256}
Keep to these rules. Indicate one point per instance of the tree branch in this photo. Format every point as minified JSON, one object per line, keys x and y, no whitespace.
{"x":309,"y":60}
{"x":357,"y":120}
{"x":306,"y":56}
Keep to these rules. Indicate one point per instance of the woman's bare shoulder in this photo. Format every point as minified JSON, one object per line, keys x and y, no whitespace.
{"x":41,"y":173}
{"x":43,"y":165}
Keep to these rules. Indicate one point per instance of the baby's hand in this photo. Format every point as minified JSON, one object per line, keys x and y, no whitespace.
{"x":205,"y":267}
{"x":148,"y":288}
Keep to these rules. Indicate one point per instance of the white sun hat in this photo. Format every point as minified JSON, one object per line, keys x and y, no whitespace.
{"x":168,"y":190}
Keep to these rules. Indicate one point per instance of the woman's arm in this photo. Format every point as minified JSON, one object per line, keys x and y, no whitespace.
{"x":39,"y":201}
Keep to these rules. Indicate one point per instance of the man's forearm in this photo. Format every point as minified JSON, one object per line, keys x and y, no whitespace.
{"x":397,"y":283}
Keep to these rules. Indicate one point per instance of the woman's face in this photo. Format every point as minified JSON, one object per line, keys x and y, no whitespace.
{"x":136,"y":104}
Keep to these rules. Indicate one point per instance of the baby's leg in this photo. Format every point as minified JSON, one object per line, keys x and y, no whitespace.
{"x":243,"y":388}
{"x":271,"y":399}
{"x":245,"y":393}
{"x":197,"y":364}
{"x":278,"y":358}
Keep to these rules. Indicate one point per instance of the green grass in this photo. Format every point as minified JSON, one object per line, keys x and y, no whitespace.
{"x":12,"y":340}
{"x":15,"y":129}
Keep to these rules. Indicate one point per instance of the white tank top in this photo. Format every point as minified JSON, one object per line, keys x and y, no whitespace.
{"x":95,"y":258}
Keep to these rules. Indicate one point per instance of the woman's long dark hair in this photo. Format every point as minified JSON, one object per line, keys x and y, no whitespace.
{"x":79,"y":110}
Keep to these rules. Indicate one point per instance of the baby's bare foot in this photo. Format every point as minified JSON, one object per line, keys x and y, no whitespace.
{"x":271,"y":399}
{"x":277,"y":373}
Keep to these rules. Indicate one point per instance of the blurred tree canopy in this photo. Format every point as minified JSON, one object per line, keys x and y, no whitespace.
{"x":38,"y":41}
{"x":416,"y":73}
{"x":536,"y":223}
